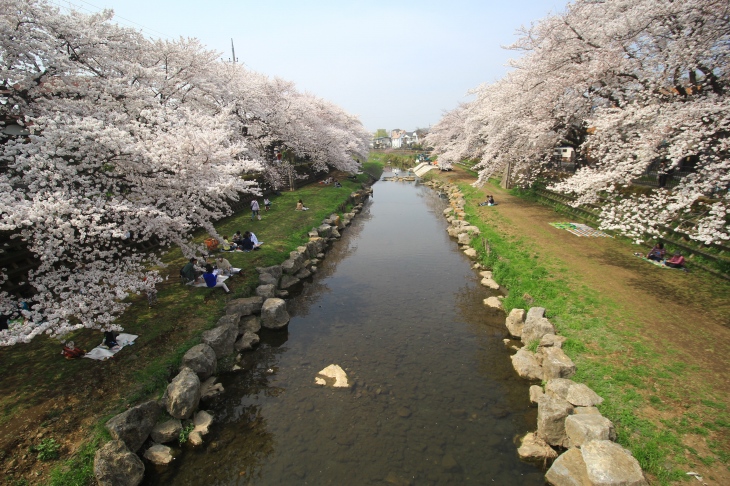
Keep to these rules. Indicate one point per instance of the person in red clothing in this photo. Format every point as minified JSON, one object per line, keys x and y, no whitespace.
{"x":677,"y":261}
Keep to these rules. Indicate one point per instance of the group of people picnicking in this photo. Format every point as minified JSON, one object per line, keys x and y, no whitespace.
{"x":331,"y":180}
{"x":659,"y":254}
{"x":199,"y":270}
{"x":213,"y":274}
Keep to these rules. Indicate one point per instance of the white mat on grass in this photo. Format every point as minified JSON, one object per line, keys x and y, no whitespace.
{"x":101,"y":352}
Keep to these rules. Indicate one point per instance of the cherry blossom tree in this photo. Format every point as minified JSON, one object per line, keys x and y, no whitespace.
{"x":627,"y":84}
{"x":120,"y":140}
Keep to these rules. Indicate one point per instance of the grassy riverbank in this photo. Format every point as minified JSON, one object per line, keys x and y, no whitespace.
{"x":666,"y":396}
{"x":61,"y":404}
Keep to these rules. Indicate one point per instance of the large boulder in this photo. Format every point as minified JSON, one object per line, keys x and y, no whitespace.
{"x":316,"y":246}
{"x":210,"y":390}
{"x":310,"y":250}
{"x":183,"y":394}
{"x":324,"y":231}
{"x":134,"y":425}
{"x":288,"y":281}
{"x":559,"y":387}
{"x":246,"y":342}
{"x":568,"y":470}
{"x":159,"y":455}
{"x":303,"y":273}
{"x":534,"y":449}
{"x":535,"y":329}
{"x":470,"y":252}
{"x":556,"y":364}
{"x":489,"y":283}
{"x":166,"y":431}
{"x":274,"y":314}
{"x":493,"y":302}
{"x":515,"y":322}
{"x":551,"y":414}
{"x":221,"y":339}
{"x":582,"y":396}
{"x":202,"y":422}
{"x":609,"y":464}
{"x":201,"y":359}
{"x":268,"y":279}
{"x":582,"y":428}
{"x":464,"y":238}
{"x":115,"y":465}
{"x":266,"y":291}
{"x":526,"y":365}
{"x":274,"y":270}
{"x":245,"y":306}
{"x":551,"y":340}
{"x":535,"y":313}
{"x":229,"y":319}
{"x":249,"y":323}
{"x":293,"y":264}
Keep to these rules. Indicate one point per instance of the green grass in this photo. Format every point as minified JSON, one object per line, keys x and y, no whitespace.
{"x":79,"y":469}
{"x":622,"y":366}
{"x":167,"y":331}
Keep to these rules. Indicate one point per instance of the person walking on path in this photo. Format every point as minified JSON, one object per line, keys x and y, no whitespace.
{"x":255,"y":210}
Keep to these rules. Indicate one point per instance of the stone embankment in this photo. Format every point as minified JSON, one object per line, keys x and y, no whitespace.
{"x":153,"y":428}
{"x":572,"y":436}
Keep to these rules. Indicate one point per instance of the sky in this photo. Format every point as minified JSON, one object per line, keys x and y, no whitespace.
{"x":398,"y":64}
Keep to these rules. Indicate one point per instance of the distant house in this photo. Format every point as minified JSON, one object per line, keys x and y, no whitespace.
{"x":410,"y":139}
{"x":382,"y":143}
{"x":564,"y":155}
{"x":397,"y":137}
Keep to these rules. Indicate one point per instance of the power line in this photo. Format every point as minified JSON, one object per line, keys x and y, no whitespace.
{"x":116,"y":17}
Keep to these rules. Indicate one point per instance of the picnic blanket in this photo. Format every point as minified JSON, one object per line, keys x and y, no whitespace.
{"x":658,"y":264}
{"x":101,"y":352}
{"x":579,"y":229}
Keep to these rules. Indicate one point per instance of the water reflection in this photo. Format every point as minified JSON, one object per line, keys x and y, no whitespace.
{"x":434,"y":399}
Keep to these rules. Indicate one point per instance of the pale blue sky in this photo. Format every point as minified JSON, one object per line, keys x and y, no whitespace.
{"x":397,"y":64}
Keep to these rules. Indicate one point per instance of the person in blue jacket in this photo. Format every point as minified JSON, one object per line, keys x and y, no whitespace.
{"x":211,"y":279}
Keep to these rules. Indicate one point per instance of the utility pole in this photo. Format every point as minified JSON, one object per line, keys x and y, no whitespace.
{"x":233,"y":51}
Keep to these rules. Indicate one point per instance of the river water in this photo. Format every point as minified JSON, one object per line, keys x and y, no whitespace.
{"x":434,"y":401}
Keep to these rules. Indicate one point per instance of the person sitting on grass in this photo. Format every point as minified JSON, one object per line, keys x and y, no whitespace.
{"x":70,"y":351}
{"x":237,"y":238}
{"x":677,"y":261}
{"x":256,"y":242}
{"x":223,"y":265}
{"x":246,"y":242}
{"x":211,"y":279}
{"x":301,"y":207}
{"x":226,"y":246}
{"x":110,"y":339}
{"x":657,"y":253}
{"x":188,"y":272}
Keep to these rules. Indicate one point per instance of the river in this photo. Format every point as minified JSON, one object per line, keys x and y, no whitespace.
{"x":434,"y":401}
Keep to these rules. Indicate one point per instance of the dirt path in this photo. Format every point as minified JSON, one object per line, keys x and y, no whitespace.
{"x":683,"y":317}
